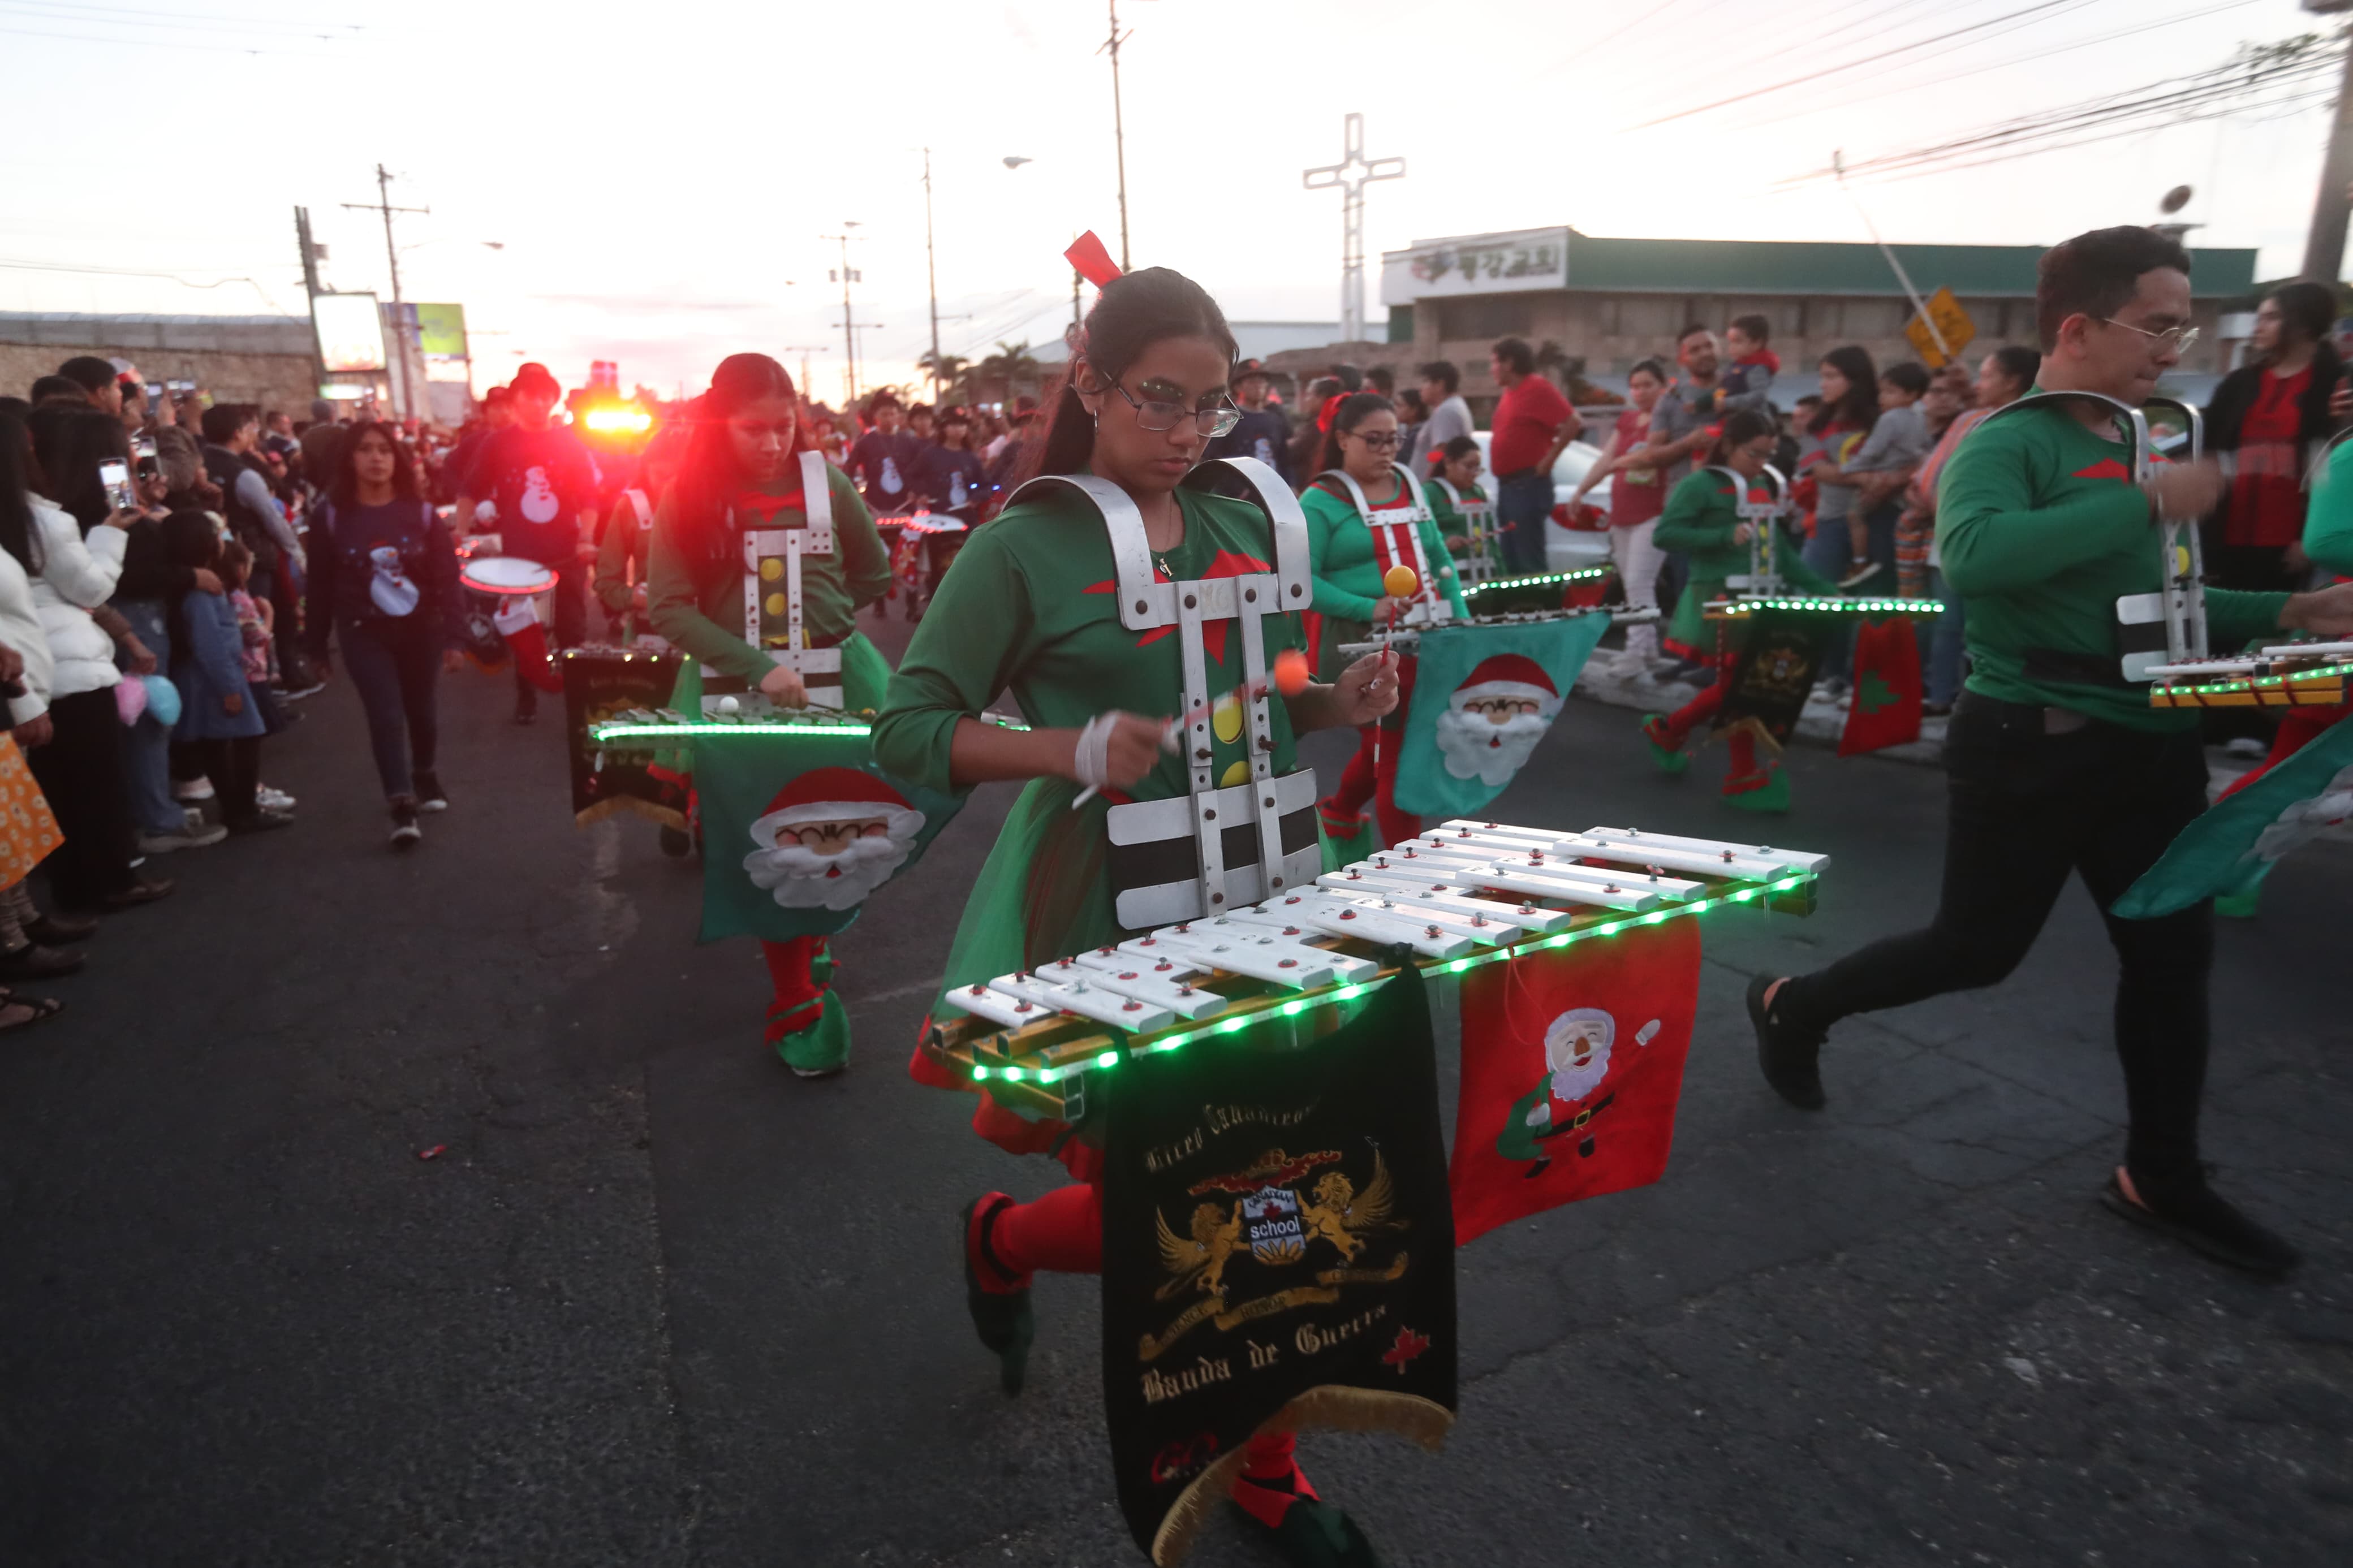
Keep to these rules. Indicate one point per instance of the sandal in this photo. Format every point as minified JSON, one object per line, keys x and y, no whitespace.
{"x":34,"y":961}
{"x":38,"y":1010}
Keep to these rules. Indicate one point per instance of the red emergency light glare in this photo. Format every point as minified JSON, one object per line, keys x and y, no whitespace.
{"x":624,"y":419}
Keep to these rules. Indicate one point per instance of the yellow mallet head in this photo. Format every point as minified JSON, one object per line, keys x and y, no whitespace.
{"x":1399,"y":581}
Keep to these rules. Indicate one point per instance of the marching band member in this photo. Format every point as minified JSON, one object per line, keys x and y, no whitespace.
{"x":1459,"y":465}
{"x":741,"y":470}
{"x":622,"y":558}
{"x":1031,"y":607}
{"x":2059,"y":767}
{"x":1351,"y":552}
{"x":1701,"y":520}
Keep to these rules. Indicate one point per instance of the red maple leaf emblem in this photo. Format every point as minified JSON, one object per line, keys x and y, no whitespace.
{"x":1408,"y":1346}
{"x":2105,"y":468}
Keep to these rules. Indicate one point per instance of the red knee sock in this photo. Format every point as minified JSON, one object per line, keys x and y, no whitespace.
{"x":1687,"y":718}
{"x":800,"y":994}
{"x":1742,"y":745}
{"x":1271,"y":1479}
{"x":1061,"y":1233}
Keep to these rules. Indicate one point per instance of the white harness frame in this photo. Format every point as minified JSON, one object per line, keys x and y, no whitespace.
{"x":1764,"y":517}
{"x":1478,"y":526}
{"x":1429,"y":606}
{"x":1147,"y":603}
{"x":819,"y":668}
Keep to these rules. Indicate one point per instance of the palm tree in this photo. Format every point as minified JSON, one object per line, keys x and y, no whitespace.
{"x":1012,"y":364}
{"x":947,"y":372}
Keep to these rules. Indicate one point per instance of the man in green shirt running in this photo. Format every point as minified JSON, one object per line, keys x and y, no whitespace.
{"x":2056,"y":764}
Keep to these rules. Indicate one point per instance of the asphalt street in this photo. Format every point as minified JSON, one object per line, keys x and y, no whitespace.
{"x":657,"y":1303}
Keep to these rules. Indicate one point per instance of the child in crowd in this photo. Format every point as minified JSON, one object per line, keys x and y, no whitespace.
{"x":1884,"y":463}
{"x":1748,"y":380}
{"x":257,"y":623}
{"x":218,"y":713}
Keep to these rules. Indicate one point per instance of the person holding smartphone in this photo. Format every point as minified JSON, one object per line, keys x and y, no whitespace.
{"x":81,"y":769}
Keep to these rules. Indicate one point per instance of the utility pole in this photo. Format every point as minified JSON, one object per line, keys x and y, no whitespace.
{"x":383,"y":204}
{"x":848,"y":342}
{"x":1904,"y":279}
{"x":311,"y":295}
{"x":931,"y":274}
{"x":1118,"y":129}
{"x":1350,"y":176}
{"x":2324,"y":247}
{"x":804,"y":350}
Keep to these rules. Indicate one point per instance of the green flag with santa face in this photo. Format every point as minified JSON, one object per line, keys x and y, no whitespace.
{"x":1483,"y":697}
{"x":800,"y":826}
{"x":2239,"y":836}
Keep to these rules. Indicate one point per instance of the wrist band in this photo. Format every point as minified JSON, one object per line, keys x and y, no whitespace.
{"x":1090,"y":761}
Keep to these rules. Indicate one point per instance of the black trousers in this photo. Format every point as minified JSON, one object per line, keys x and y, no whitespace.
{"x":81,"y":772}
{"x":234,"y":768}
{"x":395,"y":667}
{"x":2028,"y":809}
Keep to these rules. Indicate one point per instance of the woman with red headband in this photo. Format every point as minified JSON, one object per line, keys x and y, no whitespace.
{"x":1031,"y":607}
{"x":744,"y":470}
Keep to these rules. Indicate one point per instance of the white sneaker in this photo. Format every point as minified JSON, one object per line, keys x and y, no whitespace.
{"x":2247,"y":746}
{"x":193,"y":789}
{"x":272,"y":799}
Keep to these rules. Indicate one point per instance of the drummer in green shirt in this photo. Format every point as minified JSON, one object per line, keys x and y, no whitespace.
{"x":2057,"y":766}
{"x":1031,"y":608}
{"x":743,"y":469}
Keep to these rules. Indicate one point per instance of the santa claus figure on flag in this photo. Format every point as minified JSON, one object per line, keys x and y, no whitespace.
{"x":831,"y":836}
{"x":1494,"y":719}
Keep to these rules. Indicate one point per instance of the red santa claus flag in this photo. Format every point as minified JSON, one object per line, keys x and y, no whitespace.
{"x":1572,"y":1065}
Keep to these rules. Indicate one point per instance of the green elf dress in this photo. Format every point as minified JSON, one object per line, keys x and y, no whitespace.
{"x":1060,"y":602}
{"x":815,"y":568}
{"x":1352,"y":544}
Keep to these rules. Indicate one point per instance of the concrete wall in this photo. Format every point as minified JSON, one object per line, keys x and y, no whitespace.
{"x":237,"y":359}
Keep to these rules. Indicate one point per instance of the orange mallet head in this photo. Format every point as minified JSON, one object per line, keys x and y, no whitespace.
{"x":1399,"y":581}
{"x":1291,"y":672}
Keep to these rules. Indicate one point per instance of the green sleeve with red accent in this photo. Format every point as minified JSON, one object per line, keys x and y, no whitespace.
{"x":1333,"y":551}
{"x":972,"y":640}
{"x":674,"y":606}
{"x":1993,"y":538}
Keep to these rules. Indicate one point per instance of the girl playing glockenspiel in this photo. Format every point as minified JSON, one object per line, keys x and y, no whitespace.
{"x":1036,"y":606}
{"x":1367,"y":517}
{"x":745,"y":469}
{"x":1702,"y":519}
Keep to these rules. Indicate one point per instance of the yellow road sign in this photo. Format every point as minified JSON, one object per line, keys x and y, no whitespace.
{"x":1952,"y":322}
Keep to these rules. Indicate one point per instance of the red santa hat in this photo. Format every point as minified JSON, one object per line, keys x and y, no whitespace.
{"x":1510,"y":675}
{"x":840,"y":794}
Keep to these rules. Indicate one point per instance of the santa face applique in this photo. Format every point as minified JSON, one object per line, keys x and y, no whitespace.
{"x":390,"y":587}
{"x":1494,"y":719}
{"x":830,"y":838}
{"x":539,"y":502}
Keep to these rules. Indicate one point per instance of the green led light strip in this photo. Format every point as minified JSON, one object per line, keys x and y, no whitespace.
{"x":600,"y":733}
{"x":1838,"y":606}
{"x":2248,"y":682}
{"x":1347,"y":993}
{"x":1582,"y":575}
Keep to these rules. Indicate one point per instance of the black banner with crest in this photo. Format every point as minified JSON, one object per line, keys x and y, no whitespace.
{"x":1278,"y":1250}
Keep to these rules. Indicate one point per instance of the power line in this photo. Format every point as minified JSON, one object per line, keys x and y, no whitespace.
{"x":118,"y":42}
{"x":131,"y":273}
{"x":1943,"y":77}
{"x":2028,"y":12}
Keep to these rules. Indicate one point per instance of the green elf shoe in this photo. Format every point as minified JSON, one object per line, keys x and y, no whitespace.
{"x":1671,"y":759}
{"x":2241,"y":903}
{"x":821,"y":1048}
{"x":1764,"y":791}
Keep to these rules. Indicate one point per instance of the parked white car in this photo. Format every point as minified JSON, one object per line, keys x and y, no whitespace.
{"x":1565,"y":549}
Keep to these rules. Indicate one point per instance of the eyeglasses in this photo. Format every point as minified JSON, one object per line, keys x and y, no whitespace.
{"x":1379,"y":441}
{"x":1156,"y":415}
{"x":2177,"y":339}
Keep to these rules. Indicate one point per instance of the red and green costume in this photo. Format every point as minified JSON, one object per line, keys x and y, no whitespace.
{"x":695,"y":600}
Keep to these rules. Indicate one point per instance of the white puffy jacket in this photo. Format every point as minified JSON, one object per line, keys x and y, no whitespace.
{"x":20,"y":629}
{"x":77,"y":577}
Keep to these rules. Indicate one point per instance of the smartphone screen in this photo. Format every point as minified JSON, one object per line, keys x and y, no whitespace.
{"x":114,"y":476}
{"x":144,"y":458}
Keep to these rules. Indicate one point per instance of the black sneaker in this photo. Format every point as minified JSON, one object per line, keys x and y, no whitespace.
{"x":406,"y":834}
{"x":1789,"y":1057}
{"x":428,"y":792}
{"x":262,"y":822}
{"x":2189,"y":1211}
